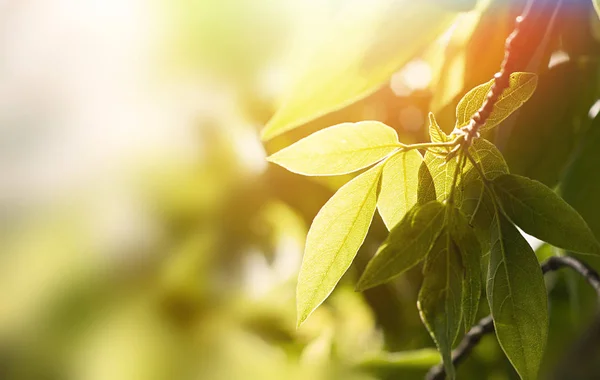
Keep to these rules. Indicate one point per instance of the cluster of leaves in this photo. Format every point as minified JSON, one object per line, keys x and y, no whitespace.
{"x":455,"y":208}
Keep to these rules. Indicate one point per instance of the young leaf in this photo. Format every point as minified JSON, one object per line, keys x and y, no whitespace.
{"x":407,"y":244}
{"x":399,"y":183}
{"x":540,"y":212}
{"x":470,"y":251}
{"x":521,"y":87}
{"x":335,"y":236}
{"x":364,"y":47}
{"x":341,"y":149}
{"x":442,"y":172}
{"x":440,"y":297}
{"x":437,"y":135}
{"x":517,"y":297}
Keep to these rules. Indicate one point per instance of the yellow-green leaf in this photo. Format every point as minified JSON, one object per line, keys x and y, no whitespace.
{"x":597,"y":6}
{"x":367,"y":43}
{"x":442,"y":172}
{"x":407,"y":244}
{"x":440,"y":298}
{"x":521,"y":87}
{"x":399,"y":184}
{"x":540,"y":212}
{"x":517,"y":297}
{"x":437,"y":135}
{"x":336,"y":234}
{"x":341,"y":149}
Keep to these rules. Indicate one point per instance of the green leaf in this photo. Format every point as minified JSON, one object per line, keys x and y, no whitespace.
{"x":407,"y":244}
{"x":426,"y":190}
{"x":441,"y":295}
{"x":335,"y":236}
{"x":517,"y":297}
{"x":521,"y":87}
{"x":540,"y":212}
{"x":470,"y":251}
{"x":399,"y":184}
{"x":341,"y":149}
{"x":581,"y":186}
{"x":365,"y":46}
{"x":492,"y":164}
{"x":548,"y":123}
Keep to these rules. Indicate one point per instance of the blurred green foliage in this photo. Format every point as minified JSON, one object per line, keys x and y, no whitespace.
{"x":208,"y":291}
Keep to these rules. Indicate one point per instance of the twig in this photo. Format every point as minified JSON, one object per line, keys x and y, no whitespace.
{"x":486,"y":325}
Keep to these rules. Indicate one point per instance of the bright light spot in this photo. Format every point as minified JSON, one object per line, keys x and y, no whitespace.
{"x":557,"y":58}
{"x":594,"y":109}
{"x":411,"y":118}
{"x":534,"y":242}
{"x":415,"y":75}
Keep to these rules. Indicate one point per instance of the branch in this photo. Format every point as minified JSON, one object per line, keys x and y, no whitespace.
{"x":486,"y":325}
{"x":514,"y":41}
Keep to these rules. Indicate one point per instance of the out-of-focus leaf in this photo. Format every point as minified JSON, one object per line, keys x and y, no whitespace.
{"x":521,"y":87}
{"x":548,"y":123}
{"x":423,"y":358}
{"x":366,"y":45}
{"x":447,"y":57}
{"x":335,"y":236}
{"x":540,"y":212}
{"x":399,"y":184}
{"x":440,"y":298}
{"x":581,"y":185}
{"x":341,"y":149}
{"x":470,"y":253}
{"x":458,"y":5}
{"x":517,"y":298}
{"x":407,"y":244}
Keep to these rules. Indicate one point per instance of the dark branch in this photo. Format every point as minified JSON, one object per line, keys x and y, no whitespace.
{"x":486,"y":325}
{"x":515,"y":41}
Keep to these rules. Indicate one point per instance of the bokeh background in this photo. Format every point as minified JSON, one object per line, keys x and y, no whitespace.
{"x":144,"y":236}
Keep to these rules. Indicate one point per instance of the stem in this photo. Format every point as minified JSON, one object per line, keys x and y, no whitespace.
{"x":486,"y":325}
{"x":431,"y":145}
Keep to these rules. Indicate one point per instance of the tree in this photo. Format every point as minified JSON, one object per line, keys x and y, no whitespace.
{"x":450,"y":203}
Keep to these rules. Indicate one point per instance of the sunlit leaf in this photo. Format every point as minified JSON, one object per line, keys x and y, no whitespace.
{"x":466,"y":241}
{"x":442,"y":172}
{"x":521,"y":87}
{"x":407,"y":244}
{"x":517,"y":298}
{"x":335,"y":236}
{"x":437,"y":135}
{"x":367,"y":43}
{"x":399,"y":184}
{"x":440,"y":298}
{"x":341,"y":149}
{"x":597,"y":6}
{"x":540,"y":212}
